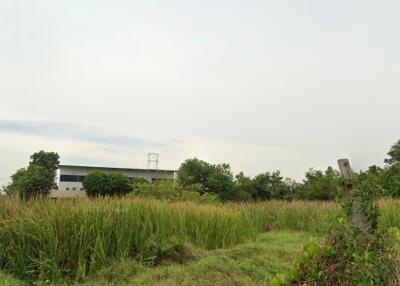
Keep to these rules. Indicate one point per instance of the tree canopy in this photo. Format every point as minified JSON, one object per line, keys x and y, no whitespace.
{"x":31,"y":182}
{"x":219,"y":179}
{"x":394,"y":154}
{"x":102,"y":184}
{"x":319,"y":185}
{"x":38,"y":178}
{"x":48,"y":160}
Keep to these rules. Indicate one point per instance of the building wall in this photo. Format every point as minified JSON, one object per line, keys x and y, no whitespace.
{"x":81,"y":172}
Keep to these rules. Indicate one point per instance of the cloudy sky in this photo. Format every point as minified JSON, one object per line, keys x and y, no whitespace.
{"x":262,"y":85}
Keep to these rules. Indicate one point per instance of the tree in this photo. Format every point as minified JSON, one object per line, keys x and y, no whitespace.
{"x":194,"y":171}
{"x":13,"y":187}
{"x":35,"y":181}
{"x":48,"y":160}
{"x":244,"y":188}
{"x":270,"y":186}
{"x":394,"y":154}
{"x":94,"y":184}
{"x":102,"y":184}
{"x":390,"y":180}
{"x":220,"y":181}
{"x":319,"y":185}
{"x":38,"y":178}
{"x":119,"y":185}
{"x":216,"y":179}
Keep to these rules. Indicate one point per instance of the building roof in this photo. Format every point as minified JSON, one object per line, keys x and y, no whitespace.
{"x":114,"y":168}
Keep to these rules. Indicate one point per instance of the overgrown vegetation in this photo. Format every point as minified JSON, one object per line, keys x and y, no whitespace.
{"x":172,"y":191}
{"x":72,"y":239}
{"x":102,"y":184}
{"x":317,"y":185}
{"x":247,"y":264}
{"x":209,"y":181}
{"x":37,"y":179}
{"x":356,"y":252}
{"x":206,"y":208}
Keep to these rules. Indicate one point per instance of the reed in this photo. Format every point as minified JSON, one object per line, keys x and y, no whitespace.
{"x":69,"y":239}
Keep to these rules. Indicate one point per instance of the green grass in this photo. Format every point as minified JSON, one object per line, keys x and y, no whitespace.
{"x":71,"y":240}
{"x":245,"y":264}
{"x":251,"y":263}
{"x":8,"y":280}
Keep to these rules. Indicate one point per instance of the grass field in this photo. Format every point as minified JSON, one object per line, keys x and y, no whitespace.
{"x":250,"y":263}
{"x":149,"y":242}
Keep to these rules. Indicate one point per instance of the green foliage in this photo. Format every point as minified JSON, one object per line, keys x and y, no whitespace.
{"x":244,"y":188}
{"x":172,"y":191}
{"x":72,"y":239}
{"x":14,"y":187}
{"x":43,"y":240}
{"x":38,"y":178}
{"x":394,"y":154}
{"x":219,"y":179}
{"x":8,"y":280}
{"x":195,"y":171}
{"x":319,"y":185}
{"x":31,"y":182}
{"x":102,"y":184}
{"x":245,"y":264}
{"x":390,"y":180}
{"x":341,"y":262}
{"x":216,"y":179}
{"x":356,"y":251}
{"x":271,"y":186}
{"x":48,"y":160}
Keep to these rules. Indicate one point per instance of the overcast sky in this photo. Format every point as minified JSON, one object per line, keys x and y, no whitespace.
{"x":262,"y":85}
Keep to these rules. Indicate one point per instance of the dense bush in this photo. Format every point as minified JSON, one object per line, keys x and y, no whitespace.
{"x":172,"y":191}
{"x":319,"y":185}
{"x":102,"y":184}
{"x":390,"y":180}
{"x":31,"y":182}
{"x":394,"y":154}
{"x":356,"y":251}
{"x":211,"y":178}
{"x":48,"y":160}
{"x":219,"y":179}
{"x":38,"y":178}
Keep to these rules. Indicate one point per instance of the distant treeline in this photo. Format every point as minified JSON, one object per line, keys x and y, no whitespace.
{"x":201,"y":181}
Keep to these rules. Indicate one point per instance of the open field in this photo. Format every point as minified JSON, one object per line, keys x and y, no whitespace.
{"x":250,"y":263}
{"x":145,"y":241}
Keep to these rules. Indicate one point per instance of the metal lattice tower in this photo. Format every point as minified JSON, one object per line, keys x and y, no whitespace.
{"x":152,"y":160}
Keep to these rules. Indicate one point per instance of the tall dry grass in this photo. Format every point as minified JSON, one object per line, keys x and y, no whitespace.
{"x":57,"y":239}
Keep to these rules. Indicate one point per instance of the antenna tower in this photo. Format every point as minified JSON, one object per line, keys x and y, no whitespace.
{"x":152,"y":161}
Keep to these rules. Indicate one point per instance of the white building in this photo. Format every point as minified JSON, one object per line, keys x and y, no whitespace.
{"x":70,"y":177}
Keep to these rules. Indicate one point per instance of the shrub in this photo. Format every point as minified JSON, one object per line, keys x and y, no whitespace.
{"x":48,"y":160}
{"x":319,"y":185}
{"x":102,"y":184}
{"x":356,"y":252}
{"x":390,"y":178}
{"x":172,"y":191}
{"x":271,"y":186}
{"x":38,"y":178}
{"x":31,"y":182}
{"x":211,"y":178}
